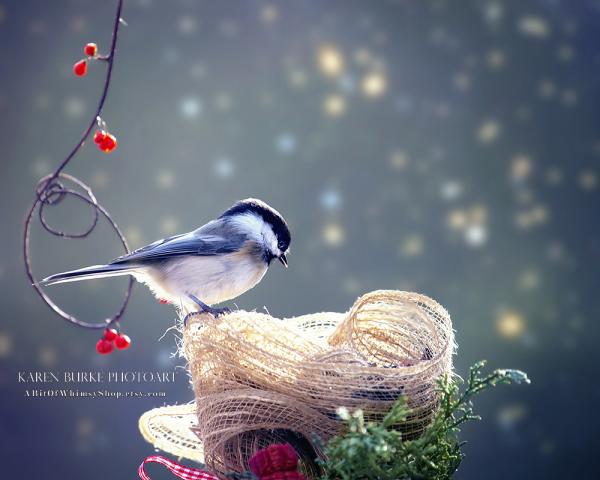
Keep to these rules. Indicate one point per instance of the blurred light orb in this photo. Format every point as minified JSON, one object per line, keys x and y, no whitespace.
{"x":164,"y":358}
{"x":521,"y":168}
{"x":509,"y":416}
{"x":399,"y":159}
{"x":197,"y":70}
{"x":334,"y":105}
{"x":47,"y":356}
{"x":478,"y":214}
{"x":269,"y":14}
{"x":100,"y":179}
{"x":533,"y":217}
{"x":187,"y":25}
{"x":74,"y":107}
{"x":351,"y":286}
{"x":457,"y":219}
{"x":223,"y":102}
{"x":165,"y":179}
{"x":374,"y":84}
{"x":554,"y":176}
{"x":330,"y":60}
{"x":224,"y":168}
{"x":548,"y":447}
{"x":134,"y":235}
{"x":569,"y":97}
{"x":532,"y":26}
{"x":461,"y":81}
{"x":333,"y":234}
{"x":539,"y":214}
{"x":476,"y":235}
{"x":190,"y":107}
{"x":229,"y":28}
{"x":331,"y":200}
{"x":412,"y":246}
{"x":510,"y":324}
{"x":169,"y":225}
{"x":42,"y":101}
{"x":524,"y":196}
{"x":362,"y":56}
{"x":40,"y":167}
{"x":588,"y":180}
{"x":547,"y":88}
{"x":286,"y":143}
{"x":555,"y":251}
{"x":565,"y":53}
{"x":493,"y":12}
{"x":6,"y":345}
{"x":489,"y":131}
{"x":170,"y":55}
{"x":84,"y":427}
{"x":298,"y":78}
{"x":496,"y":59}
{"x":528,"y":280}
{"x":451,"y":190}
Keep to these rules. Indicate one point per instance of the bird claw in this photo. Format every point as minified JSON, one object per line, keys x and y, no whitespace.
{"x":204,"y":308}
{"x":219,"y":311}
{"x":187,"y":317}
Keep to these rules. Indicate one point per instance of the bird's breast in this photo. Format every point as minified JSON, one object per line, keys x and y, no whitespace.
{"x":213,"y":279}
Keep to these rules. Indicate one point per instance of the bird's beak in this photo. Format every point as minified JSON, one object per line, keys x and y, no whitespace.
{"x":283,"y":260}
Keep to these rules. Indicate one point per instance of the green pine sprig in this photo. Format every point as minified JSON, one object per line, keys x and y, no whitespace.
{"x":377,"y":451}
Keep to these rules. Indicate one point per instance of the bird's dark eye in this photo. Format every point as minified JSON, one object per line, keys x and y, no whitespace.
{"x":281,"y":246}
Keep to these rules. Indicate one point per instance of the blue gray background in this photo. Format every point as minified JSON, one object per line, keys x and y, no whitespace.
{"x":450,"y":148}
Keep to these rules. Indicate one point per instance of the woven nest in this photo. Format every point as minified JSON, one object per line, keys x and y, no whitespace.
{"x":260,"y":380}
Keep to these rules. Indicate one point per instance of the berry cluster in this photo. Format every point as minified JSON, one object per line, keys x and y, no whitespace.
{"x":91,"y":52}
{"x":105,"y":141}
{"x":111,"y":339}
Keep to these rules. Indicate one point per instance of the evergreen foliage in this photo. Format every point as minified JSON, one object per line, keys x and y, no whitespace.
{"x":377,"y":451}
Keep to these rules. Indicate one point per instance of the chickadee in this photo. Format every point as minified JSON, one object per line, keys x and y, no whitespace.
{"x":217,"y":262}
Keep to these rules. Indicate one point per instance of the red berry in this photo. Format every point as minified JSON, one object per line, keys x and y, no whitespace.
{"x":110,"y":334}
{"x":99,"y":137}
{"x":90,"y":49}
{"x":122,"y":342}
{"x":104,"y":347}
{"x":163,"y":301}
{"x":108,"y":144}
{"x":80,"y":68}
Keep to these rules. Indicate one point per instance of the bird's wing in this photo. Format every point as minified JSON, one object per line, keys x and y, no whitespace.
{"x":193,"y":243}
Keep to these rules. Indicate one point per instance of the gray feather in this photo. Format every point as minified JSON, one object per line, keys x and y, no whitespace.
{"x":87,"y":273}
{"x":214,"y":238}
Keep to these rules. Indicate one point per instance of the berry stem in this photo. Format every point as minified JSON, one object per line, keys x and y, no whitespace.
{"x":110,"y":58}
{"x":47,"y":184}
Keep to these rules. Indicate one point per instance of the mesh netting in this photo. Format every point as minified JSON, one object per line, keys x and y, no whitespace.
{"x":260,"y":380}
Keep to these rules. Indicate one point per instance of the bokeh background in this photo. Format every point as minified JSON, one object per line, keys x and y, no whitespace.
{"x":450,"y":148}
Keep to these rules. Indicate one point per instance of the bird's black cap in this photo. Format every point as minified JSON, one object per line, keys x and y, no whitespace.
{"x":268,"y":214}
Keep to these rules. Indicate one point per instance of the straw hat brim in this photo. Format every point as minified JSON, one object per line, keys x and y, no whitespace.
{"x":170,"y":429}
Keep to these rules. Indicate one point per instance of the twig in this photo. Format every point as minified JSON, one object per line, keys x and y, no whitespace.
{"x":50,"y":191}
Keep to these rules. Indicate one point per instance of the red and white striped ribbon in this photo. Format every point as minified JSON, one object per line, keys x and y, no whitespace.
{"x":177,"y":469}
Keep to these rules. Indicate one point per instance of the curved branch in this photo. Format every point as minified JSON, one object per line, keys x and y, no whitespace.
{"x":50,"y":191}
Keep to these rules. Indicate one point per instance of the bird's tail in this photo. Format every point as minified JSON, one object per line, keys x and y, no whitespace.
{"x":87,"y":273}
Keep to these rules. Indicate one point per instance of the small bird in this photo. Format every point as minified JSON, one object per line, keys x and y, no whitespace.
{"x":214,"y":263}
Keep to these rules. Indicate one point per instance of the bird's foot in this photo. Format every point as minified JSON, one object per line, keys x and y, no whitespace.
{"x":204,"y":308}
